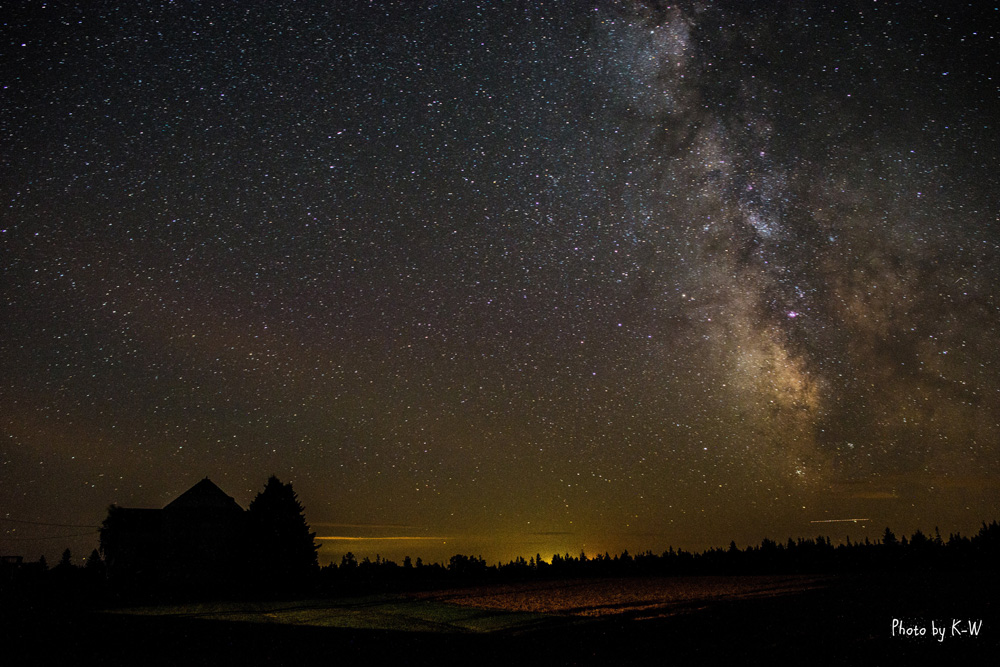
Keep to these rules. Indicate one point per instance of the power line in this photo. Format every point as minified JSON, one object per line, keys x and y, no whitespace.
{"x":41,"y":523}
{"x":47,"y":537}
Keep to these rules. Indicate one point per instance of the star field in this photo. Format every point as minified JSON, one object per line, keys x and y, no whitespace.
{"x":516,"y":277}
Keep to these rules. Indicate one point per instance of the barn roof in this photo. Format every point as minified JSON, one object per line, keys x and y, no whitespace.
{"x":204,"y":495}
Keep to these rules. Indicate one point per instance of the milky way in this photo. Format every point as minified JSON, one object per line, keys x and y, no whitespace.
{"x":837,"y":264}
{"x":509,"y":276}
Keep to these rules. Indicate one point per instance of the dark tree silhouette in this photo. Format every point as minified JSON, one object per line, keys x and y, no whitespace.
{"x":348,"y":561}
{"x":466,"y":566}
{"x":65,"y":575}
{"x":129,"y":544}
{"x":95,"y":566}
{"x":283,"y":553}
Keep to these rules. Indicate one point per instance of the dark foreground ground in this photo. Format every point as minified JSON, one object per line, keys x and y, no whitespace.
{"x":849,"y":620}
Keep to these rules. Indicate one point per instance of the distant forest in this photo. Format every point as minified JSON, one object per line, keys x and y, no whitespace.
{"x":36,"y":582}
{"x":796,"y":556}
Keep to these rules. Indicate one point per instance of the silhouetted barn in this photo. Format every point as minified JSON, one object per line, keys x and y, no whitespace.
{"x":193,"y":544}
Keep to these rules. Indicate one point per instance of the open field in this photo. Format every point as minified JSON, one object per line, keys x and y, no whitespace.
{"x":825,"y":620}
{"x":496,"y":608}
{"x":394,"y":613}
{"x":638,"y":598}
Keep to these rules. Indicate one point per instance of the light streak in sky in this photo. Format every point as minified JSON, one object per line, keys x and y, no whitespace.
{"x":360,"y":539}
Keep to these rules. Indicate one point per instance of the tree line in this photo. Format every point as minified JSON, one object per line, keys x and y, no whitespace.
{"x":818,"y":555}
{"x":795,"y":556}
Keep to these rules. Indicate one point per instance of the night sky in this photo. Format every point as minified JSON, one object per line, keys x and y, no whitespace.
{"x":502,"y":277}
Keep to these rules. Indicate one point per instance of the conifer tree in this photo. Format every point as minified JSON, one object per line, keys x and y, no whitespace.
{"x":283,"y":552}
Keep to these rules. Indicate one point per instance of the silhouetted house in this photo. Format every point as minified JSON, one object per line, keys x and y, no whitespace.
{"x":193,"y":544}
